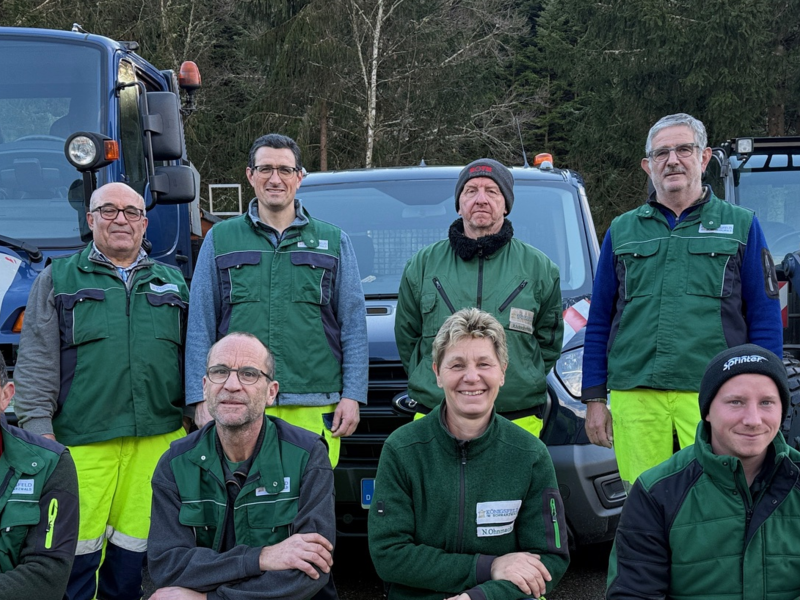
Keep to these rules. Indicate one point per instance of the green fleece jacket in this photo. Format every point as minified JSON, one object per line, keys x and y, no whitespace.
{"x":444,"y":509}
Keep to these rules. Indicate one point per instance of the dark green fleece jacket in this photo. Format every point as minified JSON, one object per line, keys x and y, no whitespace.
{"x":444,"y":509}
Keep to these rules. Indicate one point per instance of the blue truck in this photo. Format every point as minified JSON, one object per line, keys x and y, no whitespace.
{"x":78,"y":111}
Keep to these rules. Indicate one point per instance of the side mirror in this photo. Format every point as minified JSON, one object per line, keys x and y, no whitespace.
{"x":163,"y":121}
{"x":174,"y":184}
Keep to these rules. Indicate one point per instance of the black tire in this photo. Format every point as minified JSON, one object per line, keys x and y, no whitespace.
{"x":791,"y":426}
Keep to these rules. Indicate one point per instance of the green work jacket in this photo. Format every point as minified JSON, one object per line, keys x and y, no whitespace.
{"x":679,"y":294}
{"x":517,"y":284}
{"x":283,"y":296}
{"x":121,"y":349}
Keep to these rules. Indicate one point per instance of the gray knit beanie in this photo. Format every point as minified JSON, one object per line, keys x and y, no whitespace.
{"x":486,"y":167}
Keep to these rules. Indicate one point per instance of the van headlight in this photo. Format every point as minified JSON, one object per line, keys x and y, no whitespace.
{"x":569,"y":369}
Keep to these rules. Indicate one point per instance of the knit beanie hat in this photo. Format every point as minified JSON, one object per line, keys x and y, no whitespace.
{"x":741,"y":360}
{"x":486,"y":167}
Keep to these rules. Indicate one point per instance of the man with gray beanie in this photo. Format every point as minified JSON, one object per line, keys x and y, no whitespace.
{"x":721,"y":518}
{"x":481,"y":265}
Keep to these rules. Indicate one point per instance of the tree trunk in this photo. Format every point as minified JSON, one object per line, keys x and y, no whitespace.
{"x":323,"y":136}
{"x":372,"y":92}
{"x":775,"y":120}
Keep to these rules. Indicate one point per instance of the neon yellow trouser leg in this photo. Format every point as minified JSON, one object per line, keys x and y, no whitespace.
{"x":115,"y":494}
{"x":645,"y":422}
{"x":311,"y":418}
{"x":531,"y":424}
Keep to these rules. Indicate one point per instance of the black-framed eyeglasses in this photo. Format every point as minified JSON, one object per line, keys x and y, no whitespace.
{"x":284,"y":172}
{"x":681,"y":151}
{"x":109,"y":212}
{"x":246,"y":375}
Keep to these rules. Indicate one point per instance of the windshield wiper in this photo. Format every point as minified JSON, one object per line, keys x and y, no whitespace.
{"x":33,"y":252}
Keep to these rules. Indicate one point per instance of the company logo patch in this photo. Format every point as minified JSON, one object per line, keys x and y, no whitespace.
{"x":493,"y":531}
{"x":503,"y":511}
{"x":721,"y":229}
{"x":323,"y":245}
{"x":737,"y":360}
{"x":521,"y":320}
{"x":287,"y":484}
{"x":167,"y":287}
{"x":24,"y":486}
{"x":480,"y":169}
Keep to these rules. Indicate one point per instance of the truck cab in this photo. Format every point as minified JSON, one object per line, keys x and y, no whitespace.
{"x":54,"y":85}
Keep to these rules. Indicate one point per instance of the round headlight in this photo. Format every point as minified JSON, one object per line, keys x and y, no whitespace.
{"x":82,"y":151}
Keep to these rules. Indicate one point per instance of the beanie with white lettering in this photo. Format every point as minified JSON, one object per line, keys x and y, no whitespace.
{"x":741,"y":360}
{"x":486,"y":167}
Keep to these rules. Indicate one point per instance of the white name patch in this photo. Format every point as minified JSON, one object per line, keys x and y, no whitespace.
{"x":24,"y":486}
{"x":721,"y":229}
{"x":503,"y":511}
{"x":323,"y":245}
{"x":167,"y":287}
{"x":287,"y":484}
{"x":493,"y":531}
{"x":521,"y":320}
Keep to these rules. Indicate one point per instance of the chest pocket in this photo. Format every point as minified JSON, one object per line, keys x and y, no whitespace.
{"x":83,"y":317}
{"x":712,"y":266}
{"x":168,"y":312}
{"x":269,"y":520}
{"x":636,"y":268}
{"x":204,"y":518}
{"x":240,"y":276}
{"x":15,"y":521}
{"x":312,"y":277}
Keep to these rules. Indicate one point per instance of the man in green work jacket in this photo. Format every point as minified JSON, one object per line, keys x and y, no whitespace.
{"x":38,"y":510}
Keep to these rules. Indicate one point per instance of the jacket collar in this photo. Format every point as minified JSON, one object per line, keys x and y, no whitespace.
{"x":302,"y":223}
{"x":466,"y":248}
{"x":452,"y":445}
{"x":708,"y":207}
{"x":16,"y":453}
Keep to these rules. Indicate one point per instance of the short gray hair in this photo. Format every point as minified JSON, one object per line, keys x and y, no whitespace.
{"x":470,"y":323}
{"x":697,"y":127}
{"x":269,"y":362}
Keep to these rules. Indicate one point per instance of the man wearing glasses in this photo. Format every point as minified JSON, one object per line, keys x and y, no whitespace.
{"x":293,"y":282}
{"x":680,"y":279}
{"x":100,"y":371}
{"x":244,"y":507}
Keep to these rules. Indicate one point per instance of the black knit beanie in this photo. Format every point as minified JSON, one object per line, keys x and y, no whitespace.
{"x":486,"y":167}
{"x":741,"y":360}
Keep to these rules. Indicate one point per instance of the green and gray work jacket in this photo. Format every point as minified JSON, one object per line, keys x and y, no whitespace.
{"x":120,"y":371}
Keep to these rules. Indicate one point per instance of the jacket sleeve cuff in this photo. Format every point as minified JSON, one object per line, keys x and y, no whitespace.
{"x":251,"y":563}
{"x":596,"y":391}
{"x":39,"y":425}
{"x":475,"y":593}
{"x":483,"y":568}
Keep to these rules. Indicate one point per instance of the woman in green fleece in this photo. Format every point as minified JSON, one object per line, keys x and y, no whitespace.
{"x":466,"y":503}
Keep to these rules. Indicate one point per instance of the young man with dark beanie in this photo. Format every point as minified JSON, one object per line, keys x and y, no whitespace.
{"x":721,"y":518}
{"x":481,"y":265}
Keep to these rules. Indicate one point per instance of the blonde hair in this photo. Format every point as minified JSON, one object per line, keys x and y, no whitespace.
{"x":470,"y":323}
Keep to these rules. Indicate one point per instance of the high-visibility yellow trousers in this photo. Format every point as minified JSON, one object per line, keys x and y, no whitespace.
{"x":313,"y":419}
{"x":532,"y":424}
{"x":645,"y":423}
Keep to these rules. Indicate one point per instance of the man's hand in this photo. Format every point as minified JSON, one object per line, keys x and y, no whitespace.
{"x":599,"y":424}
{"x":49,"y":436}
{"x":524,"y":570}
{"x":201,"y":416}
{"x":177,"y":593}
{"x":346,"y":418}
{"x":302,"y":551}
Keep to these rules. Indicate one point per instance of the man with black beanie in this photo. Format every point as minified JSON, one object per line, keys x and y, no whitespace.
{"x":481,"y":265}
{"x":721,"y":518}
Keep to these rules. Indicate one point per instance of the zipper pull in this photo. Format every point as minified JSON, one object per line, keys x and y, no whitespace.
{"x":554,"y":515}
{"x":52,"y":512}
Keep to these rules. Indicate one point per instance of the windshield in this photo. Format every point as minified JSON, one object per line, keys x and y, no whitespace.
{"x":47,"y":92}
{"x":388,"y":221}
{"x":771,"y":188}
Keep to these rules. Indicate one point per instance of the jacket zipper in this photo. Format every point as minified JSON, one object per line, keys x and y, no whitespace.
{"x":52,"y":512}
{"x":554,"y":514}
{"x":462,"y":496}
{"x":513,"y":295}
{"x":480,"y":279}
{"x":443,"y":294}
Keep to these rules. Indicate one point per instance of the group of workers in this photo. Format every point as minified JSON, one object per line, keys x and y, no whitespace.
{"x":267,"y":355}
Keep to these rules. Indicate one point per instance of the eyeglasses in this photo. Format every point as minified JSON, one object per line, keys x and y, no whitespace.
{"x":682,"y":151}
{"x":109,"y":212}
{"x":284,"y":172}
{"x":246,"y":375}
